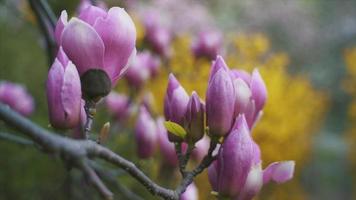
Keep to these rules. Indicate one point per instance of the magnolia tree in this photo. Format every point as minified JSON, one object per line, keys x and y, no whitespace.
{"x":94,"y":50}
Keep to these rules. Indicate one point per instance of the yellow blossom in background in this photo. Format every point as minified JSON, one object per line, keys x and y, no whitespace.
{"x":350,"y":86}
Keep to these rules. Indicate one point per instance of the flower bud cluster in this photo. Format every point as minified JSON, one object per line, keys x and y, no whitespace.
{"x":95,"y":49}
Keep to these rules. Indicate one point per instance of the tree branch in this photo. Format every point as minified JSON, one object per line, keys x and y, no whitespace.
{"x":94,"y":179}
{"x":80,"y":152}
{"x":46,"y":22}
{"x":16,"y":139}
{"x":77,"y":150}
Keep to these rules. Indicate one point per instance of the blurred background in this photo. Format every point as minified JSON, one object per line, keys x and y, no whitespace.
{"x":305,"y":50}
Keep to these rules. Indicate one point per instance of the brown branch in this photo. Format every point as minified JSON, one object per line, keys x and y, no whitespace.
{"x":95,"y":180}
{"x":80,"y":151}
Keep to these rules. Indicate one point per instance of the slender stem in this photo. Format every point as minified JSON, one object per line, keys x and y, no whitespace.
{"x":47,"y":28}
{"x":187,"y":155}
{"x":178,"y":148}
{"x":80,"y":152}
{"x":90,"y":110}
{"x":95,"y":180}
{"x":16,"y":139}
{"x":48,"y":12}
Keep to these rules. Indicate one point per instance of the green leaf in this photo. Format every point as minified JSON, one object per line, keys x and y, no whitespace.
{"x":175,"y":129}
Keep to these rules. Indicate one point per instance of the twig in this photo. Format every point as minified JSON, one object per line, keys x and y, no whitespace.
{"x":110,"y":177}
{"x":48,"y":12}
{"x":77,"y":150}
{"x":16,"y":139}
{"x":179,"y":153}
{"x":90,"y":111}
{"x":80,"y":151}
{"x":189,"y":176}
{"x":95,"y":180}
{"x":47,"y":28}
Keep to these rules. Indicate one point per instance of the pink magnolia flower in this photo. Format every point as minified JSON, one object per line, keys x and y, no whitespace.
{"x":98,"y":39}
{"x":16,"y":97}
{"x":238,"y":174}
{"x":63,"y":93}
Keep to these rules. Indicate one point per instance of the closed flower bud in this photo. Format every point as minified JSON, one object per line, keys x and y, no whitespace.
{"x":194,"y":119}
{"x":191,"y":193}
{"x":145,"y":134}
{"x":100,"y":41}
{"x":220,"y":99}
{"x":16,"y":97}
{"x":235,"y":159}
{"x":118,"y":104}
{"x":175,"y":104}
{"x":237,"y":174}
{"x":63,"y":93}
{"x":207,"y":44}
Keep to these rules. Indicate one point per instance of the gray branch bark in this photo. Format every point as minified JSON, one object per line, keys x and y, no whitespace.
{"x":79,"y":152}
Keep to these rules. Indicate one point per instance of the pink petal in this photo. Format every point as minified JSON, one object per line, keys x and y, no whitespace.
{"x":62,"y":57}
{"x":243,"y":95}
{"x":258,"y":89}
{"x":71,"y":94}
{"x":253,"y":184}
{"x":279,"y":172}
{"x":54,"y":83}
{"x":118,"y":33}
{"x":82,"y":45}
{"x":91,"y":13}
{"x":213,"y":175}
{"x":61,"y":23}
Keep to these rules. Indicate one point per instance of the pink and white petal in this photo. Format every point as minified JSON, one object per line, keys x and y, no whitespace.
{"x":258,"y":89}
{"x":253,"y":184}
{"x":123,"y":71}
{"x":91,"y":13}
{"x":61,"y":23}
{"x":82,"y":45}
{"x":62,"y":57}
{"x":279,"y":172}
{"x":71,"y":95}
{"x":118,"y":33}
{"x":53,"y":91}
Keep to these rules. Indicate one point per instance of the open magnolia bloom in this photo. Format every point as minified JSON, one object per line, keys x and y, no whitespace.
{"x":237,"y":173}
{"x":98,"y":39}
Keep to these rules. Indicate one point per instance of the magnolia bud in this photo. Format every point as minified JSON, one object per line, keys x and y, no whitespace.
{"x":175,"y":104}
{"x":194,"y":119}
{"x":220,"y":99}
{"x":63,"y":93}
